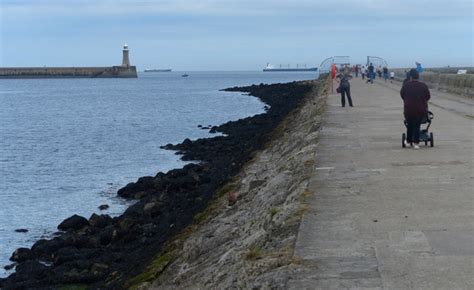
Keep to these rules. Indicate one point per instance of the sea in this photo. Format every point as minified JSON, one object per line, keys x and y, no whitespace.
{"x":68,"y":145}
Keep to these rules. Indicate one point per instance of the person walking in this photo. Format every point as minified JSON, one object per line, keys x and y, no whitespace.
{"x":356,"y":70}
{"x":385,"y":73}
{"x":371,"y":73}
{"x":415,"y":96}
{"x":345,"y":87}
{"x":363,"y":72}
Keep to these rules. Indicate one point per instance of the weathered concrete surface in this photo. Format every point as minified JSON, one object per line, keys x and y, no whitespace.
{"x":384,"y":217}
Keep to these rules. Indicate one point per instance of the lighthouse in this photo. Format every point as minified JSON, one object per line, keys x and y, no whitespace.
{"x":125,"y":59}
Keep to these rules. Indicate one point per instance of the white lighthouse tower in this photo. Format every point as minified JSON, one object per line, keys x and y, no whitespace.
{"x":125,"y":59}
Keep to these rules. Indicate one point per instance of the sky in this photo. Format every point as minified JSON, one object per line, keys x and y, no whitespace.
{"x":234,"y":34}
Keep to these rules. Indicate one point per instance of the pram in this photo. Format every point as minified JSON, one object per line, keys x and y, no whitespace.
{"x":425,"y":136}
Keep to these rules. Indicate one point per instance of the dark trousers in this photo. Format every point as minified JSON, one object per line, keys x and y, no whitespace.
{"x":413,"y":130}
{"x":344,"y":92}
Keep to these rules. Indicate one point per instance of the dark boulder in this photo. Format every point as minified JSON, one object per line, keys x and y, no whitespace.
{"x":103,"y":206}
{"x":21,"y":255}
{"x":47,"y":247}
{"x":100,"y":221}
{"x":74,"y":222}
{"x":9,"y":267}
{"x":30,"y":268}
{"x":21,"y":230}
{"x":106,"y":235}
{"x":143,"y":185}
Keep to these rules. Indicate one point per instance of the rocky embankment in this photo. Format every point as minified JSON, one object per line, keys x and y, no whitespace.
{"x":245,"y":238}
{"x":115,"y":253}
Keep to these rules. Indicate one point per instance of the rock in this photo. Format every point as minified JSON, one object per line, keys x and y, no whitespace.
{"x":143,"y":184}
{"x":21,"y":255}
{"x":232,"y":198}
{"x":99,"y":268}
{"x":48,"y":246}
{"x":21,"y":230}
{"x":106,"y":235}
{"x":103,"y":206}
{"x":187,"y":143}
{"x":30,"y":268}
{"x":66,"y":254}
{"x":74,"y":222}
{"x":152,"y":208}
{"x":9,"y":267}
{"x":100,"y":221}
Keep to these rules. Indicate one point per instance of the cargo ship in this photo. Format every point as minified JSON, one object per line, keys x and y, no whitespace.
{"x":157,"y":70}
{"x":287,"y":68}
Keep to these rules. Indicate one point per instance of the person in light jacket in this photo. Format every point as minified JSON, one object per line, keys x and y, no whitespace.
{"x":415,"y":95}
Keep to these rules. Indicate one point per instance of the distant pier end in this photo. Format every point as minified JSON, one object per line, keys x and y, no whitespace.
{"x":123,"y":71}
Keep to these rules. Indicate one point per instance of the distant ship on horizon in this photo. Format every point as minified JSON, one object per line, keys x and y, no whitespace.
{"x":287,"y":68}
{"x":157,"y":70}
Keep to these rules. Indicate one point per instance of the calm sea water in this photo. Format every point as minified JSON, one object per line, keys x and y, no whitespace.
{"x":67,"y":145}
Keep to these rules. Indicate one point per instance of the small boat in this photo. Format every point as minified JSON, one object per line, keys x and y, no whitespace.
{"x":185,"y":75}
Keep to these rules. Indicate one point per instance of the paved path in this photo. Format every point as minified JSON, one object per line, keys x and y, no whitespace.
{"x":384,"y":217}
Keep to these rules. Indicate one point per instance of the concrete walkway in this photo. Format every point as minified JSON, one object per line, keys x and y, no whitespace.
{"x":385,"y":217}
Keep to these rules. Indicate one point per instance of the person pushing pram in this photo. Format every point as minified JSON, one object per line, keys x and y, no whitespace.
{"x":415,"y":95}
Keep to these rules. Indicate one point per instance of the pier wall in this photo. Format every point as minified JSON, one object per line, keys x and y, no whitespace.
{"x":69,"y":72}
{"x":445,"y":82}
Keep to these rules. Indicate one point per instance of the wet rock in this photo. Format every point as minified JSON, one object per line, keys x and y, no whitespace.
{"x":152,"y":208}
{"x":47,"y":247}
{"x":21,"y":255}
{"x":103,"y":207}
{"x":76,"y":240}
{"x":100,"y":221}
{"x":9,"y":267}
{"x":30,"y":268}
{"x":106,"y":235}
{"x":21,"y":230}
{"x":187,"y":143}
{"x":67,"y":254}
{"x":143,"y":184}
{"x":74,"y":222}
{"x":99,"y":268}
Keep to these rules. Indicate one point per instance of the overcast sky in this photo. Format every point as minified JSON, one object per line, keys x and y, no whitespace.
{"x":234,"y":34}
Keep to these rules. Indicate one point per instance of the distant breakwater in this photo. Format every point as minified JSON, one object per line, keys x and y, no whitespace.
{"x":104,"y":252}
{"x":68,"y":72}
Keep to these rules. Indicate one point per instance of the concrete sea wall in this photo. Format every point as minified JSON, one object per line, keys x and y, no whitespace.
{"x":69,"y":72}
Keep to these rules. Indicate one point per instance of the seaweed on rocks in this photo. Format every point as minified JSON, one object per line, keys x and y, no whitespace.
{"x":104,"y":252}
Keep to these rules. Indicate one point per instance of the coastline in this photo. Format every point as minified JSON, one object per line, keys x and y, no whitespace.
{"x":100,"y":251}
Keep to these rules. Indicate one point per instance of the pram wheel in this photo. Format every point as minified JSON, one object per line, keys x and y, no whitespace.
{"x":431,"y":139}
{"x":404,"y":137}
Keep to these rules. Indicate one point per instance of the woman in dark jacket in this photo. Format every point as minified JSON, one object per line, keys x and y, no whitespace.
{"x":415,"y":95}
{"x":345,"y":87}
